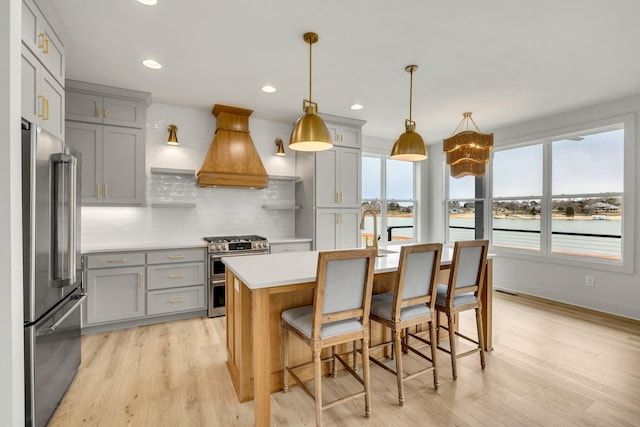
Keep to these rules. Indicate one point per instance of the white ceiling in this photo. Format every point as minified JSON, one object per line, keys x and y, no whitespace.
{"x":504,"y":60}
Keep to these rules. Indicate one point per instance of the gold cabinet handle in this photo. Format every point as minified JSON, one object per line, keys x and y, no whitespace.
{"x":43,"y":42}
{"x":46,"y":109}
{"x":338,"y":218}
{"x":140,"y":279}
{"x":99,"y":112}
{"x":176,"y":256}
{"x":176,"y":276}
{"x":106,"y":113}
{"x":106,"y":191}
{"x":112,"y":260}
{"x":99,"y":190}
{"x":42,"y":106}
{"x":175,"y":300}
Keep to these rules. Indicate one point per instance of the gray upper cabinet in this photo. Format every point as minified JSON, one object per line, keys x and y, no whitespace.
{"x":112,"y":170}
{"x":38,"y":36}
{"x":104,"y":110}
{"x":107,"y":126}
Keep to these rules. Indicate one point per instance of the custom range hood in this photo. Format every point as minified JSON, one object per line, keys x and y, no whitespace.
{"x":232,"y":159}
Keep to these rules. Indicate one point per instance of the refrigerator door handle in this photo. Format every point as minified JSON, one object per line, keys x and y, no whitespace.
{"x":55,"y":326}
{"x":65,"y":181}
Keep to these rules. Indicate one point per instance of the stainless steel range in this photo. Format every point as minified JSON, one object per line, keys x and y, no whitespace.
{"x":224,"y":246}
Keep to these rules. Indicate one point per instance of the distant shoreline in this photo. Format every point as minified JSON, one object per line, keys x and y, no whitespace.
{"x":554,"y":216}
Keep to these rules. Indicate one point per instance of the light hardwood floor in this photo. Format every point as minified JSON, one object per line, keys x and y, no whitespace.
{"x":552,"y":365}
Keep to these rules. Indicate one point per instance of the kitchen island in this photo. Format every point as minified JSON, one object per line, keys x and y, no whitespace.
{"x":259,"y":288}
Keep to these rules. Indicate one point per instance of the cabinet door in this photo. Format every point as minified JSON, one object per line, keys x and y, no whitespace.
{"x":53,"y":119}
{"x":87,"y":139}
{"x":115,"y":294}
{"x":123,"y":166}
{"x":32,"y":107}
{"x":84,"y":108}
{"x":350,"y":137}
{"x":120,"y":112}
{"x":334,"y":130}
{"x":348,"y":232}
{"x":326,"y":229}
{"x":349,"y":177}
{"x":326,"y":182}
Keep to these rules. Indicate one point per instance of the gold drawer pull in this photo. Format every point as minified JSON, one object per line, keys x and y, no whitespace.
{"x":175,"y":300}
{"x":117,"y":260}
{"x":176,"y":276}
{"x":140,"y":279}
{"x":176,"y":256}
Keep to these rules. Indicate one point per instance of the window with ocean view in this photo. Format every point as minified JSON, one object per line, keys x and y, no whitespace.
{"x":465,"y":208}
{"x":387,"y":187}
{"x":562,"y":195}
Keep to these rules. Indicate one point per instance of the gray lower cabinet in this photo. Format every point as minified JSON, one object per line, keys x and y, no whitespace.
{"x":279,"y":248}
{"x":115,"y":294}
{"x":143,"y":287}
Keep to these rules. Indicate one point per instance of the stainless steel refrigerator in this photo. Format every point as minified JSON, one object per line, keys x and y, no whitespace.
{"x":52,"y":272}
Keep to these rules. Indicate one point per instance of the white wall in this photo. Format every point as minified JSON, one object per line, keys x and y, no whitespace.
{"x":616,"y":293}
{"x":218,"y":211}
{"x":11,"y":317}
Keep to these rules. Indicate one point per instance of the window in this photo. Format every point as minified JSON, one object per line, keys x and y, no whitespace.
{"x":388,"y":188}
{"x":563,"y":196}
{"x":465,"y":208}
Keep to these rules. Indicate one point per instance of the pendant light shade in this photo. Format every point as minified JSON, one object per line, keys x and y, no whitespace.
{"x":468,"y":151}
{"x":410,"y":145}
{"x":310,"y":133}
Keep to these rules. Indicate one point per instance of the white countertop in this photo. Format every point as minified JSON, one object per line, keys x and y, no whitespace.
{"x":266,"y":271}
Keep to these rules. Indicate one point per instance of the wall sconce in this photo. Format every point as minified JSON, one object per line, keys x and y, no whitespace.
{"x":280,"y":151}
{"x":173,"y":135}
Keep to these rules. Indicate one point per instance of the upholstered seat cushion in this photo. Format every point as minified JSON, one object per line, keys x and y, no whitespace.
{"x":441,"y":298}
{"x":300,"y":319}
{"x":382,"y":305}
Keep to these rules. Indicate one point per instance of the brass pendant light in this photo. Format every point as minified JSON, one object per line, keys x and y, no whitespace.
{"x":468,"y":151}
{"x":410,"y":145}
{"x":310,"y":133}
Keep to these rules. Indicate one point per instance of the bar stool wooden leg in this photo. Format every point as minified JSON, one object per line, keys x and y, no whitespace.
{"x":480,"y":336}
{"x":334,"y":366}
{"x":452,"y":345}
{"x":365,"y":375}
{"x":317,"y":383}
{"x":434,"y":350}
{"x":397,"y":337}
{"x":285,"y":359}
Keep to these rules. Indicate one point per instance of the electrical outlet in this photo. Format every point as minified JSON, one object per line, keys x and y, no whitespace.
{"x":589,"y":281}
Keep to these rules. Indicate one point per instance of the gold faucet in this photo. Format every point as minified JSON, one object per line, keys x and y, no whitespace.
{"x":374,"y":245}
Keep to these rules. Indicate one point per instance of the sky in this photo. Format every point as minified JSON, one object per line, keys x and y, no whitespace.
{"x":399,"y":178}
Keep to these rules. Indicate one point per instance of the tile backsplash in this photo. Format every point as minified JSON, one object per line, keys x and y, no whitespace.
{"x":176,"y":208}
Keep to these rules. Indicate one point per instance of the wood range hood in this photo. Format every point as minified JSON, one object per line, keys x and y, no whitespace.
{"x":232,"y":159}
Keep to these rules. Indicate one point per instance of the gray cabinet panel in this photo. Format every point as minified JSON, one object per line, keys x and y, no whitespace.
{"x":30,"y":83}
{"x":175,"y":255}
{"x":84,"y":107}
{"x":123,"y":165}
{"x":115,"y":294}
{"x":120,"y":112}
{"x":174,"y":275}
{"x":278,"y":248}
{"x":87,"y":139}
{"x":326,"y":178}
{"x":115,"y":259}
{"x":171,"y":301}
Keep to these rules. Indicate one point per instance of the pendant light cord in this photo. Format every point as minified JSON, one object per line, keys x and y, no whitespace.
{"x":410,"y":93}
{"x":310,"y":79}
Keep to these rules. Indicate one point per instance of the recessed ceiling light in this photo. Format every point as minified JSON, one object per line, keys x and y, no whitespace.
{"x":148,"y":2}
{"x":356,"y":107}
{"x":152,"y":63}
{"x":268,"y":89}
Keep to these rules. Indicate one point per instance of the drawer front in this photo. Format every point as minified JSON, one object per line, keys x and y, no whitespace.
{"x":175,"y":255}
{"x":173,"y":300}
{"x":116,"y":259}
{"x":278,"y":248}
{"x":175,"y":275}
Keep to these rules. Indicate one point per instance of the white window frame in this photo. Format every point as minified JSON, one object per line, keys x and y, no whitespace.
{"x":626,"y":264}
{"x":384,"y":202}
{"x":447,"y":200}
